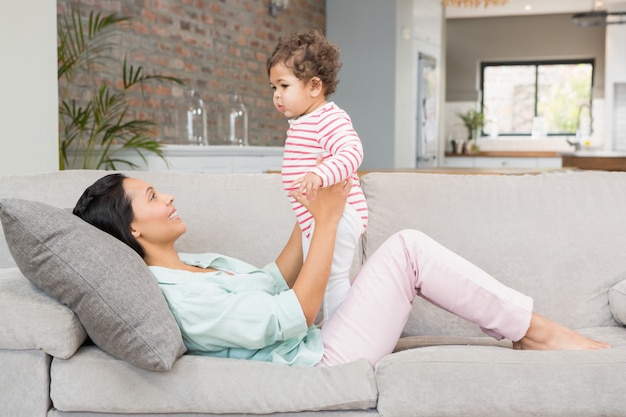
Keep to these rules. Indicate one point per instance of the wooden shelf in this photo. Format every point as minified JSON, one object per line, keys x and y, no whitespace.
{"x":598,"y":162}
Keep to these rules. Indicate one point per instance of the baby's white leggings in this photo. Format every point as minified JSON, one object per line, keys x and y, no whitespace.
{"x":348,"y":233}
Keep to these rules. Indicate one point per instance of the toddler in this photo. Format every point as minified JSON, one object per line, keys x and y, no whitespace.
{"x":322,"y":148}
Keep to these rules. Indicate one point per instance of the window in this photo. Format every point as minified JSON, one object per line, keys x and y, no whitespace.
{"x":514,"y":94}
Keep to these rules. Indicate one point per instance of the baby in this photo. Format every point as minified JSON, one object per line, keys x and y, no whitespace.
{"x":322,"y":148}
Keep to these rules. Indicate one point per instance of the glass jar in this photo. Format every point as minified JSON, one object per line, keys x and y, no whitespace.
{"x":192,"y":119}
{"x":237,"y":122}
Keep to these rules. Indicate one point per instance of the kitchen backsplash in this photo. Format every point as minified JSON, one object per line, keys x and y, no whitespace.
{"x":454,"y":129}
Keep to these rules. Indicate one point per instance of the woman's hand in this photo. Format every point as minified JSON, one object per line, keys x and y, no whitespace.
{"x":308,"y":185}
{"x":327,"y":210}
{"x":329,"y":204}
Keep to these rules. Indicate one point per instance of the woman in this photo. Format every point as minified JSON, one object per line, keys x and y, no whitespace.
{"x":228,"y":308}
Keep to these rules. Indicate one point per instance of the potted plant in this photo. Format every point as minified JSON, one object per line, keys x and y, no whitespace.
{"x":473,"y":121}
{"x":97,"y":128}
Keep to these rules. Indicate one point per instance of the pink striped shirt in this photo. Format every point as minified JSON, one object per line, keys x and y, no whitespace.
{"x":327,"y":131}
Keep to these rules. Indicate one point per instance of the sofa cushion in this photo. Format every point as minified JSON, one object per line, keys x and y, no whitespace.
{"x":617,"y":301}
{"x":93,"y":381}
{"x":102,"y":280}
{"x":31,"y":319}
{"x":477,"y":381}
{"x":24,"y":383}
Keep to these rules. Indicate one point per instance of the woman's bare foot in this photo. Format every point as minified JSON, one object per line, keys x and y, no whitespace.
{"x":544,"y":334}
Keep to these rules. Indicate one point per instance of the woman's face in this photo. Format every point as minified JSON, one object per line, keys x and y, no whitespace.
{"x":155,"y":218}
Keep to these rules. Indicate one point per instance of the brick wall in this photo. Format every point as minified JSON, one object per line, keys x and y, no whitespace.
{"x":218,"y":47}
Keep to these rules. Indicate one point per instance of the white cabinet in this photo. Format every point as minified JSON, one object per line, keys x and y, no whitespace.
{"x":211,"y":159}
{"x":505,"y":162}
{"x":255,"y":164}
{"x":555,"y":162}
{"x":459,"y":162}
{"x":486,"y":162}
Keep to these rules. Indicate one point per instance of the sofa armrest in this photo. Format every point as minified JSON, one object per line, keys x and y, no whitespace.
{"x":30,"y":319}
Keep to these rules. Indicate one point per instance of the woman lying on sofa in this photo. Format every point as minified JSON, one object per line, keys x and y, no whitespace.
{"x":228,"y":308}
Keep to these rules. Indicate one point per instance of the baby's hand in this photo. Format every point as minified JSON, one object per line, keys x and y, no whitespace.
{"x":308,"y":185}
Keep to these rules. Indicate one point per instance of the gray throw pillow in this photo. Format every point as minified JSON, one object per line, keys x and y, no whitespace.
{"x":617,"y":302}
{"x":101,"y":279}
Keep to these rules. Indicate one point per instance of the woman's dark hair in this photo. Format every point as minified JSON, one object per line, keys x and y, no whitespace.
{"x":105,"y":205}
{"x":309,"y":55}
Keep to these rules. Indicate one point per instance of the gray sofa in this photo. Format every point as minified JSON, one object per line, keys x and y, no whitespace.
{"x":559,"y":237}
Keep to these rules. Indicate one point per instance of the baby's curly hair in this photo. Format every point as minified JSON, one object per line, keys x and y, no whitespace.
{"x":309,"y":55}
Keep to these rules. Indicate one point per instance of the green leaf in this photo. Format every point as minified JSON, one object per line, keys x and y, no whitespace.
{"x":102,"y":126}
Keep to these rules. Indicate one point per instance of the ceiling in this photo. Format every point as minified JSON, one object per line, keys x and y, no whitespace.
{"x":518,"y":7}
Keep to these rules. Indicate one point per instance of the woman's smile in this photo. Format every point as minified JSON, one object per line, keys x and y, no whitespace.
{"x":174,"y":216}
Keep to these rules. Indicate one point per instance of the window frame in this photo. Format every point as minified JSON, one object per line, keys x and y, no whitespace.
{"x":536,"y":64}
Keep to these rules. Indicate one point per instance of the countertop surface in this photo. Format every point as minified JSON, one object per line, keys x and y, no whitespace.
{"x":516,"y":154}
{"x":468,"y":171}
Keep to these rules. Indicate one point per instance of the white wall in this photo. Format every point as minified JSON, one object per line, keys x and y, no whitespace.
{"x":379,"y":42}
{"x":405,"y":94}
{"x":366,"y":32}
{"x":615,"y":74}
{"x":29,"y":92}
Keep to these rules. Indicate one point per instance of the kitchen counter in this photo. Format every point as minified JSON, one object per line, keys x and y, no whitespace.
{"x":508,"y":154}
{"x":595,"y":160}
{"x":469,"y":171}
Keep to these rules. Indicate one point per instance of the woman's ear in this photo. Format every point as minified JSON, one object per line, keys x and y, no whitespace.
{"x":316,"y":86}
{"x":134,"y":232}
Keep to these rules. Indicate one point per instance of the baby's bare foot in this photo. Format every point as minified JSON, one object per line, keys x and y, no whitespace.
{"x":544,"y":334}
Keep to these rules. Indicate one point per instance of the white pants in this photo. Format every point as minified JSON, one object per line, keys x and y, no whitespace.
{"x":338,"y":287}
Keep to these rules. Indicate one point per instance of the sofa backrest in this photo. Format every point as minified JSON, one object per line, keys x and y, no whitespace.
{"x":60,"y":189}
{"x":244,"y":215}
{"x":559,"y":237}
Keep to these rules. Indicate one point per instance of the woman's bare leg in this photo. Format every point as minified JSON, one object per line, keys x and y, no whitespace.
{"x":544,"y":334}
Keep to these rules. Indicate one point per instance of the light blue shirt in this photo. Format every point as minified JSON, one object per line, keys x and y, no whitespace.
{"x":239,"y":311}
